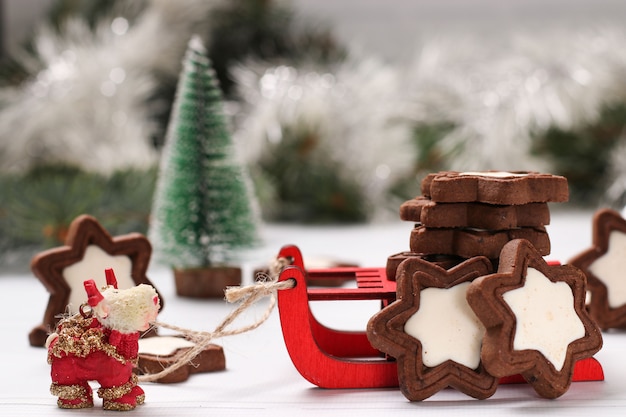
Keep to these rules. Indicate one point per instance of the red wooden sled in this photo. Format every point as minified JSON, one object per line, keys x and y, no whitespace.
{"x":330,"y":358}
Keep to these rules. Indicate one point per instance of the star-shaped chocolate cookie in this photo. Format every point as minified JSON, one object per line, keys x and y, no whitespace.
{"x":535,"y":318}
{"x":604,"y":264}
{"x":477,"y":215}
{"x":468,"y":242}
{"x":432,"y":332}
{"x":89,"y":249}
{"x":495,"y":187}
{"x":160,"y":352}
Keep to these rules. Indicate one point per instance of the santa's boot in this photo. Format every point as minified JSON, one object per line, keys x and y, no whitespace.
{"x":139,"y":394}
{"x":73,"y":396}
{"x":121,"y":398}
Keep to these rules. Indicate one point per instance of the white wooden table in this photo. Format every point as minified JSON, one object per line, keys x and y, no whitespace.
{"x":260,"y":379}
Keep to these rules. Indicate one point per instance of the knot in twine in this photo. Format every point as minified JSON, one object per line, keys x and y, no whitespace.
{"x":267,"y":285}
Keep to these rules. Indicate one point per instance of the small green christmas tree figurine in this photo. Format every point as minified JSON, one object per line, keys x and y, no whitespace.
{"x":202,"y":210}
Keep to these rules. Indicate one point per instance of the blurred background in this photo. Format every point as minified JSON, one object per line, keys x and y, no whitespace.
{"x":338,"y":108}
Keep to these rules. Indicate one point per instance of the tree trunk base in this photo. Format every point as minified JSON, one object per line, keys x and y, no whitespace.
{"x":206,"y":282}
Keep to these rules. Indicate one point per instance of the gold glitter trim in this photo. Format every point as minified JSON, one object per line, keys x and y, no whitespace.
{"x":115,"y":406}
{"x":76,"y":337}
{"x":113,"y":393}
{"x":141,"y":399}
{"x":82,"y":404}
{"x":68,"y":392}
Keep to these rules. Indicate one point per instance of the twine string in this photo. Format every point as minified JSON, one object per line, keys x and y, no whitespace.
{"x":268,"y":285}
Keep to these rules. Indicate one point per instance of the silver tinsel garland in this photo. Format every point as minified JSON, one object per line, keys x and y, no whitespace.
{"x":85,"y":103}
{"x":497,"y":95}
{"x":354,"y":111}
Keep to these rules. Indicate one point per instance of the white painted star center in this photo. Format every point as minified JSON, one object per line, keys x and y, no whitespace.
{"x":495,"y":174}
{"x":163,"y":345}
{"x":611,"y":267}
{"x":447,"y":327}
{"x":92,"y":266}
{"x":546,"y":318}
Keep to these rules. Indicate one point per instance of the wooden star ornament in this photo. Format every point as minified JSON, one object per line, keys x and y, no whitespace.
{"x":432,"y":332}
{"x":535,"y":319}
{"x":89,"y":249}
{"x":604,"y":264}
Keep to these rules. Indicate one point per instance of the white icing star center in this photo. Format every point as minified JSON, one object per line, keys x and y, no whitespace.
{"x":495,"y":174}
{"x":610,"y":267}
{"x":92,"y":266}
{"x":546,"y":318}
{"x":447,"y":327}
{"x":163,"y":345}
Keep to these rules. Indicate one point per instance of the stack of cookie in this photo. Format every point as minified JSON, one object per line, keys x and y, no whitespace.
{"x":462,"y":215}
{"x":476,"y":301}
